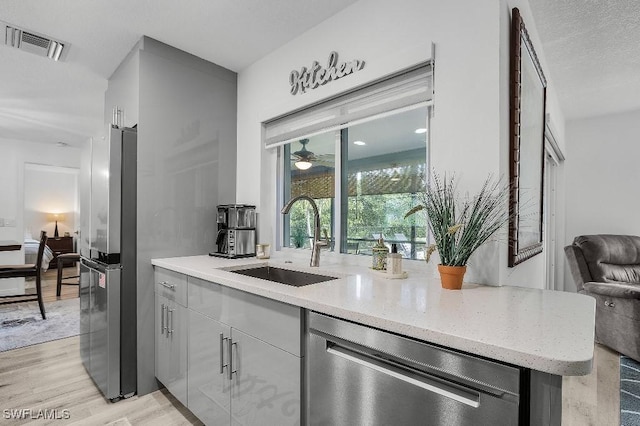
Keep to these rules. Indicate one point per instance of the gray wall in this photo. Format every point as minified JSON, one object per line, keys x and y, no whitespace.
{"x":186,"y":166}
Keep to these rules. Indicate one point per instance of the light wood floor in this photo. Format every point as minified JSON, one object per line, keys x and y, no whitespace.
{"x":51,"y":376}
{"x":66,"y":291}
{"x":49,"y":280}
{"x":594,"y":400}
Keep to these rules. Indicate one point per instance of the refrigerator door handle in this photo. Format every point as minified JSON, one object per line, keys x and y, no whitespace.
{"x":94,"y":266}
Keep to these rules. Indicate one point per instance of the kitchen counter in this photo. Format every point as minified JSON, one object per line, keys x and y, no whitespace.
{"x":548,"y":331}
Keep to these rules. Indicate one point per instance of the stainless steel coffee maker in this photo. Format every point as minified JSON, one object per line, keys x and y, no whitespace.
{"x":236,"y":231}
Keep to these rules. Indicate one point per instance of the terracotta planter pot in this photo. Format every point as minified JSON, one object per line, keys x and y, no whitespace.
{"x":451,"y":276}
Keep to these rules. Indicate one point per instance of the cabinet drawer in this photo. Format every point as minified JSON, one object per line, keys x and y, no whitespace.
{"x":205,"y":297}
{"x":271,"y":321}
{"x":171,"y":285}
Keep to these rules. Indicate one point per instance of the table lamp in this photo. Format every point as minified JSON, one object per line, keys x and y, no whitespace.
{"x":56,"y":217}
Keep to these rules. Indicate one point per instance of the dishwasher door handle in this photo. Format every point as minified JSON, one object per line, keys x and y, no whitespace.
{"x":467,"y":397}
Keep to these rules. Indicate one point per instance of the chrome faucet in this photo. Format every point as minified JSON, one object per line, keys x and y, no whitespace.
{"x":317,"y":243}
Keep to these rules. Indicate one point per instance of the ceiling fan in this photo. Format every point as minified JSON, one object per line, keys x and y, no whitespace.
{"x":303,"y":157}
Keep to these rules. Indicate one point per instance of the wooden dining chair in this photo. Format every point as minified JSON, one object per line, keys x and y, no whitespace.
{"x":60,"y":280}
{"x":27,"y":270}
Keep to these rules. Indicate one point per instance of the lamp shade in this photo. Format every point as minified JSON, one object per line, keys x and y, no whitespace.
{"x":55,"y":217}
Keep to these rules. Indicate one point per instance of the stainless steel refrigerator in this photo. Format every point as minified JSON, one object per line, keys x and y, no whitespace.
{"x":108,"y":266}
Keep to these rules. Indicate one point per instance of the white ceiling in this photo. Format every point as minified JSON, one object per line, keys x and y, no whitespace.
{"x":46,"y":101}
{"x":389,"y":135}
{"x":593,"y":52}
{"x":591,"y":47}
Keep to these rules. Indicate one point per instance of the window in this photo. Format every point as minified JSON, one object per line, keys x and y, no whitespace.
{"x":383,"y":166}
{"x":317,"y":181}
{"x":361,"y":156}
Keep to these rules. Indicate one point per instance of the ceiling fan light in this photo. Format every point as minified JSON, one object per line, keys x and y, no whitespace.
{"x":303,"y":164}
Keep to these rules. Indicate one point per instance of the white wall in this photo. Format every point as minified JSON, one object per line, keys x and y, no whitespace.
{"x":530,"y":273}
{"x":602,"y":177}
{"x":389,"y":37}
{"x":470,"y":124}
{"x":15,"y":155}
{"x":50,"y":189}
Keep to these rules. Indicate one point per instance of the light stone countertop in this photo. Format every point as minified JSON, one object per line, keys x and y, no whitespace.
{"x":549,"y":331}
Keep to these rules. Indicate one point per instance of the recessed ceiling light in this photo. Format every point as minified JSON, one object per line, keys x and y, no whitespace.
{"x":359,"y":143}
{"x":421,"y":130}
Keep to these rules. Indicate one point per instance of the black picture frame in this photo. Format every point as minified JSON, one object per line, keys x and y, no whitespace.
{"x":526,"y":146}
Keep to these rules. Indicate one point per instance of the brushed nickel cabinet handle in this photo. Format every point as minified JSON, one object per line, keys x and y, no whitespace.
{"x":170,"y":325}
{"x":162,"y":326}
{"x":222,"y":364}
{"x":231,"y":369}
{"x":230,"y":356}
{"x":167,"y":285}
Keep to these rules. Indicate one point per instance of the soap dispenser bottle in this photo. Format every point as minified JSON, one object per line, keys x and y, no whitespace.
{"x":394,"y":262}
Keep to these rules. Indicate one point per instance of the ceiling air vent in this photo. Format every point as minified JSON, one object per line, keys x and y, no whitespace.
{"x":33,"y":42}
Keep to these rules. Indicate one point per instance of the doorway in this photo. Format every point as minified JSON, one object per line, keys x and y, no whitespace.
{"x":553,"y":159}
{"x":51,"y":198}
{"x":51,"y":204}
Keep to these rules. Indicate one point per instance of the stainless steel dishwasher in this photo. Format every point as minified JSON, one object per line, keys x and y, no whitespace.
{"x":357,"y":375}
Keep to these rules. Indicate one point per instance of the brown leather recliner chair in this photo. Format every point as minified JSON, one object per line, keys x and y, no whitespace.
{"x":607,"y":267}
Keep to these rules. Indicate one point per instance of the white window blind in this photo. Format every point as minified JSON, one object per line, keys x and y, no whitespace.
{"x":405,"y":89}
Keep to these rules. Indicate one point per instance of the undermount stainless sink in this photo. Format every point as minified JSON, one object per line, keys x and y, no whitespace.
{"x":283,"y":276}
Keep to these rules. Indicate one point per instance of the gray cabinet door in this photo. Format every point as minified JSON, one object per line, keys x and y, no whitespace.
{"x":171,"y":347}
{"x":177,"y":336}
{"x":209,"y":395}
{"x":162,"y":344}
{"x":265,"y":383}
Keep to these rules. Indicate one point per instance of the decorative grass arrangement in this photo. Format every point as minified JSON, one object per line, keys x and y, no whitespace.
{"x":460,"y":225}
